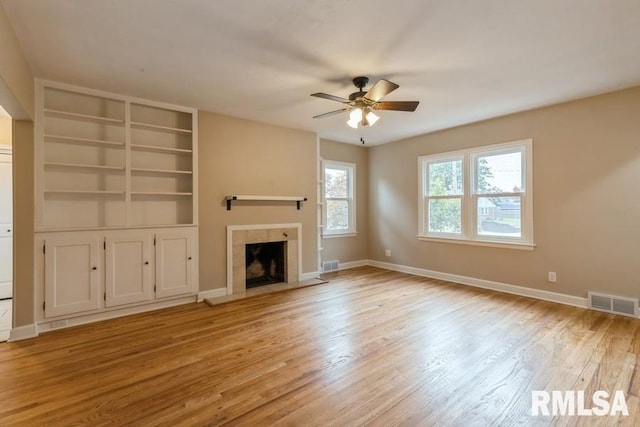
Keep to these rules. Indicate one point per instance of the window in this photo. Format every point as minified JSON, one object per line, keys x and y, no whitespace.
{"x":479,"y":196}
{"x":339,"y":198}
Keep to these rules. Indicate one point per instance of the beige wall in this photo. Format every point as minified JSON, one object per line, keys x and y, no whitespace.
{"x":586,"y":199}
{"x":244,"y":157}
{"x":16,"y":80}
{"x":345,"y":249}
{"x":5,"y":131}
{"x":23,"y":196}
{"x":17,"y":98}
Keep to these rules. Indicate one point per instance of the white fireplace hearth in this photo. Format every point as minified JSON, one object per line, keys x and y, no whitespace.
{"x":238,"y":236}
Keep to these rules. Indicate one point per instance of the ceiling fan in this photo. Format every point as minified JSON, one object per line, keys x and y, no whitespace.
{"x":362,"y":104}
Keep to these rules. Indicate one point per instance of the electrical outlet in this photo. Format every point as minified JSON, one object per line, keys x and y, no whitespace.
{"x":552,"y":277}
{"x":387,"y":252}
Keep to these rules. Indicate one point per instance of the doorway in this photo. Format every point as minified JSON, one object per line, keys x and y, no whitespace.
{"x":6,"y":226}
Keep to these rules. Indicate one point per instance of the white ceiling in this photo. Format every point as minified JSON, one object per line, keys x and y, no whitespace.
{"x":464,"y":60}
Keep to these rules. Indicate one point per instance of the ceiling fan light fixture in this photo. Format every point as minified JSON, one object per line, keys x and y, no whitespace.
{"x":372,"y":118}
{"x":361,"y":104}
{"x":355,"y":117}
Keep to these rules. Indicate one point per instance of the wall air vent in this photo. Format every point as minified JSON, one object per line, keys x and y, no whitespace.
{"x":329,"y":266}
{"x":613,"y":304}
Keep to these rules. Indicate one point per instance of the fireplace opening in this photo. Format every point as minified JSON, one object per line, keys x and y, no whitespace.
{"x":265,"y":263}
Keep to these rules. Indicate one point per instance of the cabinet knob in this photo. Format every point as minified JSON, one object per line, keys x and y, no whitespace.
{"x":189,"y":258}
{"x":146,"y":263}
{"x":94,"y":268}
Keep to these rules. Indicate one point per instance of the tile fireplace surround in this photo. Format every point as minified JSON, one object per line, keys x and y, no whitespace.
{"x":240,"y":235}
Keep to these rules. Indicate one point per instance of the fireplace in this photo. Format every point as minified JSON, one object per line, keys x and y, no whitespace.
{"x":265,"y":263}
{"x":253,"y":258}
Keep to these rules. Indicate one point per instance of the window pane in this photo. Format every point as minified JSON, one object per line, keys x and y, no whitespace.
{"x":501,"y":173}
{"x":336,"y":183}
{"x":499,"y":216}
{"x":445,"y":216}
{"x":337,"y":215}
{"x":445,"y":178}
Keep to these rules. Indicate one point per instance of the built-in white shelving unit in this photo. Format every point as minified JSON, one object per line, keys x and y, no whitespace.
{"x":116,"y":201}
{"x":112,"y":161}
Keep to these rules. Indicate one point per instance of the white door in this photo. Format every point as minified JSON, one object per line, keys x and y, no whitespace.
{"x":72,"y":275}
{"x":6,"y":227}
{"x":174,"y":263}
{"x":129,"y":267}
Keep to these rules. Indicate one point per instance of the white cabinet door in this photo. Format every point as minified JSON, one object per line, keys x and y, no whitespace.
{"x":6,"y":227}
{"x":174,"y":263}
{"x":128,"y":267}
{"x":6,"y":261}
{"x":72,"y":275}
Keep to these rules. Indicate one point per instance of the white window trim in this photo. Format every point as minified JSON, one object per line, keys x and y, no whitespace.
{"x":351,"y":171}
{"x":469,"y":234}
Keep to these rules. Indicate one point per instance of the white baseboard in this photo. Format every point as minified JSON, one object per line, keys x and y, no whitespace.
{"x":352,"y":264}
{"x":309,"y":276}
{"x":212,"y":293}
{"x":23,"y":332}
{"x":61,"y":323}
{"x":486,"y":284}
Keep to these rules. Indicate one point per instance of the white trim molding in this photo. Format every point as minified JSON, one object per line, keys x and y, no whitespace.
{"x":517,"y":246}
{"x":212,"y":293}
{"x":486,"y":284}
{"x":353,"y":264}
{"x":23,"y":332}
{"x":309,"y":276}
{"x":61,"y":322}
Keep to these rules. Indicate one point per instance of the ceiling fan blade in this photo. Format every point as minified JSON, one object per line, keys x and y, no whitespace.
{"x":381,"y":89}
{"x":331,"y":113}
{"x":330,"y":97}
{"x":397,"y":105}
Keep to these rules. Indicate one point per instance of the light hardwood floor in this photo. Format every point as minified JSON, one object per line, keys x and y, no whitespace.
{"x":371,"y":347}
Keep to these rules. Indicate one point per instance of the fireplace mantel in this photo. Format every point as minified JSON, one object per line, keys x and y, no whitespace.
{"x":297,"y":199}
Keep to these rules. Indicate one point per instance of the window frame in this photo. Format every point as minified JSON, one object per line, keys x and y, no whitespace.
{"x":469,"y":204}
{"x":424,"y":180}
{"x":350,"y":168}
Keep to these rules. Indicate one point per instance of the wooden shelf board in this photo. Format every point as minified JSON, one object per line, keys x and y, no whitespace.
{"x":158,"y":127}
{"x":82,"y":166}
{"x":61,"y":113}
{"x":297,"y":199}
{"x":83,"y":192}
{"x":268,"y":198}
{"x":76,"y":140}
{"x":159,"y":193}
{"x":161,"y":171}
{"x":160,"y":149}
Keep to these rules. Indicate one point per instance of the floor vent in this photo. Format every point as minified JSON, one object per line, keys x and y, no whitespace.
{"x":329,"y":266}
{"x":613,"y":304}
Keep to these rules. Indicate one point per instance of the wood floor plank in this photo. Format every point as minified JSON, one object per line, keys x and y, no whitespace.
{"x":371,"y":347}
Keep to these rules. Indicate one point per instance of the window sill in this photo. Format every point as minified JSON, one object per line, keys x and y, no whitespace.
{"x":487,"y":243}
{"x":331,"y":236}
